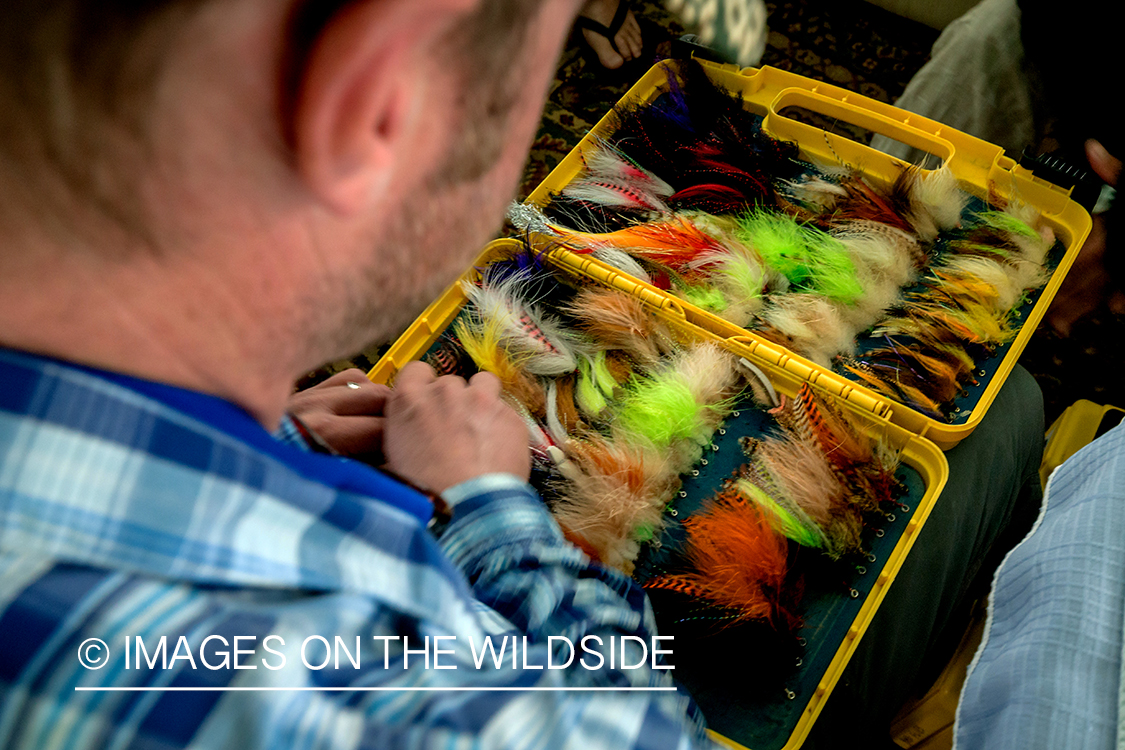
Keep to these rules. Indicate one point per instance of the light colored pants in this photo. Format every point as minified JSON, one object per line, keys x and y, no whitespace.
{"x":976,"y":81}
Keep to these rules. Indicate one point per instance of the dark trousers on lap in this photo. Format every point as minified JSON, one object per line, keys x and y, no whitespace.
{"x":989,"y":503}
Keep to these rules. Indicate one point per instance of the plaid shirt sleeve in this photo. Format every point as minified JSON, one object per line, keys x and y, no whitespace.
{"x":289,"y":434}
{"x":275,"y":612}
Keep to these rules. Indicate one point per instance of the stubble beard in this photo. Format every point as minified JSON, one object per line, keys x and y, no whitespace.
{"x":436,"y":234}
{"x":428,"y":245}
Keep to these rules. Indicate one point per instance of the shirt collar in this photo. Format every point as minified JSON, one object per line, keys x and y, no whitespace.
{"x":340,"y":473}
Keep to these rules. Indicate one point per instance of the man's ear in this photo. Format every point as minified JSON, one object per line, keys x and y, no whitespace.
{"x":358,"y":90}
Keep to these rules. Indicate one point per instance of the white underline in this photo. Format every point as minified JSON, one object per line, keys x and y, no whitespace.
{"x":370,"y":689}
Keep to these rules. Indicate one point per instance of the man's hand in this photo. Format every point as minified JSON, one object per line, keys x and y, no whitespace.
{"x":346,"y":411}
{"x":1088,"y":285}
{"x":443,"y":431}
{"x":1105,"y":164}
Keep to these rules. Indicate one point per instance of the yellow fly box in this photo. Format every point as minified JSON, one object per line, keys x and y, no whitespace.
{"x":981,"y":169}
{"x":835,"y":610}
{"x":1081,"y":422}
{"x":922,"y":720}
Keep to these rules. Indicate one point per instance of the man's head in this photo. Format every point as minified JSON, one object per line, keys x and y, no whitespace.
{"x":315,"y":171}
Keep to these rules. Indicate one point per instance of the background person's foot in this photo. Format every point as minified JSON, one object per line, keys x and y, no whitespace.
{"x":611,"y":30}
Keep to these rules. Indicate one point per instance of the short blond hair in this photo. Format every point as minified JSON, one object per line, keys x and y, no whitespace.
{"x":68,"y":67}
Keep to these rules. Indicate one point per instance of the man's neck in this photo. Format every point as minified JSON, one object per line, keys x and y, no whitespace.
{"x":184,"y":328}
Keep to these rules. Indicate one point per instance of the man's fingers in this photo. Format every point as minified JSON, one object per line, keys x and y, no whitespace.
{"x":351,"y":375}
{"x":444,"y":431}
{"x":414,"y":375}
{"x":369,"y":399}
{"x":1117,"y":303}
{"x":359,"y":436}
{"x":345,"y":394}
{"x":1104,"y":164}
{"x":486,"y":384}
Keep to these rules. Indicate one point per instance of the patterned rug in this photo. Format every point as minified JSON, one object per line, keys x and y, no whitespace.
{"x":849,"y":43}
{"x":854,"y":45}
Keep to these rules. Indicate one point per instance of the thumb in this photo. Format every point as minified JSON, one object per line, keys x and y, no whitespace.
{"x":1103,"y":163}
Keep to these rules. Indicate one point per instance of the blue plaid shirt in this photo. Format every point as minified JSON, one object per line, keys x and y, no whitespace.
{"x":235,"y":591}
